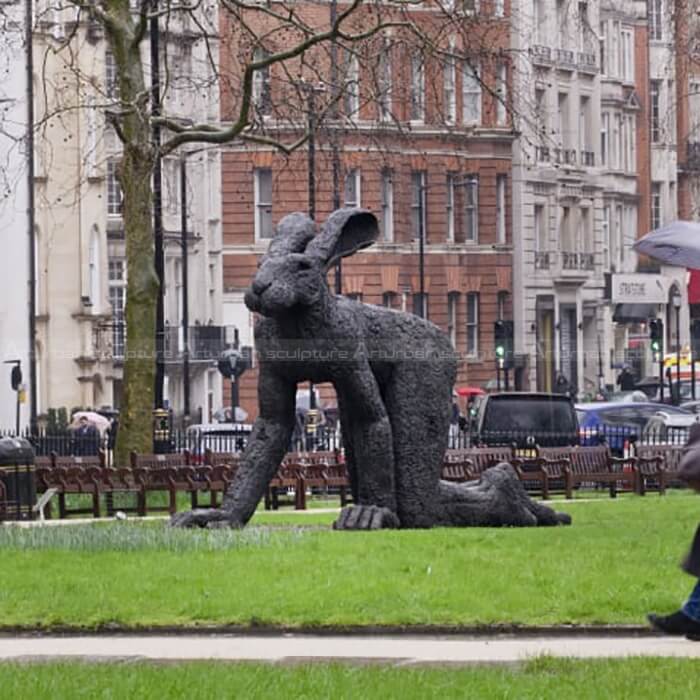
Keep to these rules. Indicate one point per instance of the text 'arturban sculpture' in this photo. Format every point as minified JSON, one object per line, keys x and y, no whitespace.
{"x":393,"y":373}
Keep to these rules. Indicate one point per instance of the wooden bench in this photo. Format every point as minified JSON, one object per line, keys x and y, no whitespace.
{"x":336,"y":475}
{"x":76,"y":476}
{"x":289,"y":477}
{"x":546,"y":470}
{"x":483,"y":458}
{"x":657,"y":466}
{"x":598,"y":466}
{"x":123,"y":480}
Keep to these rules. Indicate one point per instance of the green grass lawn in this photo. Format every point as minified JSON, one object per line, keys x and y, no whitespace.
{"x":617,"y":562}
{"x":542,"y":678}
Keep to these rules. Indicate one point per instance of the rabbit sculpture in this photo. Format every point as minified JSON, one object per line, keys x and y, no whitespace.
{"x":393,"y":373}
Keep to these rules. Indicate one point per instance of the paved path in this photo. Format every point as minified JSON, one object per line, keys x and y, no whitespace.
{"x":292,"y":648}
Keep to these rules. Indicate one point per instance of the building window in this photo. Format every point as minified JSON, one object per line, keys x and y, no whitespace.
{"x":603,"y":48}
{"x":389,"y":300}
{"x":604,"y":136}
{"x":388,"y":205}
{"x":656,"y":209}
{"x":501,"y":94}
{"x":420,"y":304}
{"x":417,"y":88}
{"x":656,"y":18}
{"x":501,"y":209}
{"x":263,"y":203}
{"x":449,"y":79}
{"x":499,"y":8}
{"x":471,"y":7}
{"x":261,"y":90}
{"x":355,"y":296}
{"x":607,"y":260}
{"x":501,"y":304}
{"x":471,"y":209}
{"x":655,"y":110}
{"x":452,"y":301}
{"x":616,"y":155}
{"x":117,"y":300}
{"x":352,"y":188}
{"x":563,"y":119}
{"x":114,"y":190}
{"x":471,"y":94}
{"x":94,"y":270}
{"x":384,"y":84}
{"x":472,"y":324}
{"x":619,"y":238}
{"x":418,"y":204}
{"x":450,"y":207}
{"x":352,"y":84}
{"x":111,"y":78}
{"x":627,"y":56}
{"x":541,"y":238}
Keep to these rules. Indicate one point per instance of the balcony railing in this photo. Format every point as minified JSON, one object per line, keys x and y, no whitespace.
{"x":588,"y":158}
{"x":541,"y":54}
{"x":565,"y":156}
{"x":587,"y":62}
{"x":577,"y":261}
{"x":543,"y":259}
{"x":565,"y":58}
{"x":542,"y":154}
{"x":206,"y":343}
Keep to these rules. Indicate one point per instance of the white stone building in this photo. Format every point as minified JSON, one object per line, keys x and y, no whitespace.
{"x":82,"y":261}
{"x":14,"y":220}
{"x":584,"y":188}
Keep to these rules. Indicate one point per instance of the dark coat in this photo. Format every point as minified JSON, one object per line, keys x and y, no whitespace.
{"x":689,"y":471}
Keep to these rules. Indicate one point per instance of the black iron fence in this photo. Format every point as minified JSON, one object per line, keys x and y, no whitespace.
{"x":620,"y":439}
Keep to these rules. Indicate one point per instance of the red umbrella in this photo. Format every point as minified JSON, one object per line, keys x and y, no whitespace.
{"x":470,"y":391}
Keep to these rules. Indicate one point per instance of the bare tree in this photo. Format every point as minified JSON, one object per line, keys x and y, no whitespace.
{"x":266,"y":58}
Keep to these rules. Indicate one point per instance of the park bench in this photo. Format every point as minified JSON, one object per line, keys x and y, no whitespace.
{"x":287,"y":481}
{"x":483,"y":458}
{"x":75,"y":476}
{"x":120,"y":481}
{"x":657,"y":466}
{"x":596,"y":465}
{"x":456,"y":466}
{"x":545,"y":472}
{"x":336,"y":475}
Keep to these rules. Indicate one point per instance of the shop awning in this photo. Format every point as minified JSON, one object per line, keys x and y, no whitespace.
{"x":694,"y":287}
{"x":634,"y":313}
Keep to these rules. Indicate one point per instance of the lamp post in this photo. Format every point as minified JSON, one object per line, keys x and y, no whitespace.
{"x":185,"y":291}
{"x":676,"y":301}
{"x":311,"y":91}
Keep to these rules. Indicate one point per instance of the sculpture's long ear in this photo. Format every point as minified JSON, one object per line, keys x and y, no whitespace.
{"x":345,"y":232}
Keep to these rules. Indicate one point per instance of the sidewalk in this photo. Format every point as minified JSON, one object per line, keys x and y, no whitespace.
{"x":402,"y":650}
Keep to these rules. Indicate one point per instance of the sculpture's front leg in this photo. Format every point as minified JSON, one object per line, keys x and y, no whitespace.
{"x":372,"y":449}
{"x":263,"y":455}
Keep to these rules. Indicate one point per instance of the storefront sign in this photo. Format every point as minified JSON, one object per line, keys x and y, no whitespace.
{"x":639,"y":289}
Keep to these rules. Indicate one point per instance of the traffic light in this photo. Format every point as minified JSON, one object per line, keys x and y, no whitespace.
{"x":503,"y":342}
{"x":656,"y":335}
{"x":16,"y":377}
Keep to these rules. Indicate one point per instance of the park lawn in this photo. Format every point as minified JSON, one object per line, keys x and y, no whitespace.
{"x":617,"y":562}
{"x":636,"y":678}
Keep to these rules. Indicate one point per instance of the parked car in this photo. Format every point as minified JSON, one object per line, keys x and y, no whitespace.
{"x":666,"y":428}
{"x":692,"y":406}
{"x":617,"y":423}
{"x":524,"y":419}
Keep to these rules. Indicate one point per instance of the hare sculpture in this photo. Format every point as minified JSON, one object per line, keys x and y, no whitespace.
{"x":393,"y":373}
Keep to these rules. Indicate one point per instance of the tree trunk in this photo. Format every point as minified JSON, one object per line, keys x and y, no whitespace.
{"x":135,"y":174}
{"x":135,"y":423}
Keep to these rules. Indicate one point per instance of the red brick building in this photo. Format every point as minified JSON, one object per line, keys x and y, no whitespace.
{"x":423,"y":143}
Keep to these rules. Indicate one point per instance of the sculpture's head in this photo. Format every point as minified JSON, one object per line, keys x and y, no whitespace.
{"x":293,"y":271}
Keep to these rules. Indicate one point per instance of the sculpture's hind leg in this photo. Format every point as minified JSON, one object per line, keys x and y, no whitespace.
{"x":419,"y":404}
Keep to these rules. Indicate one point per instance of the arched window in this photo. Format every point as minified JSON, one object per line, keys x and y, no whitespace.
{"x":94,"y":269}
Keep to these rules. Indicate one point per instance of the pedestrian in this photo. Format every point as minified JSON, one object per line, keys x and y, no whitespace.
{"x":86,"y":438}
{"x":626,"y":380}
{"x":561,"y":386}
{"x":686,"y":621}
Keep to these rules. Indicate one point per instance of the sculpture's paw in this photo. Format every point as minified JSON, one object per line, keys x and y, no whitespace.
{"x":563,"y":518}
{"x":203,"y":517}
{"x":366,"y":518}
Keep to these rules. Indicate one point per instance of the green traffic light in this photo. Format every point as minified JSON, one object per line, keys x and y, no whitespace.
{"x":500,"y":351}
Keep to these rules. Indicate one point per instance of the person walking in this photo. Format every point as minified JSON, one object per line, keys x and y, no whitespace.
{"x":686,"y":621}
{"x":87,"y":439}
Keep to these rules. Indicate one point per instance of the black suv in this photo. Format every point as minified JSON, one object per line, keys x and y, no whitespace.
{"x":524,"y":419}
